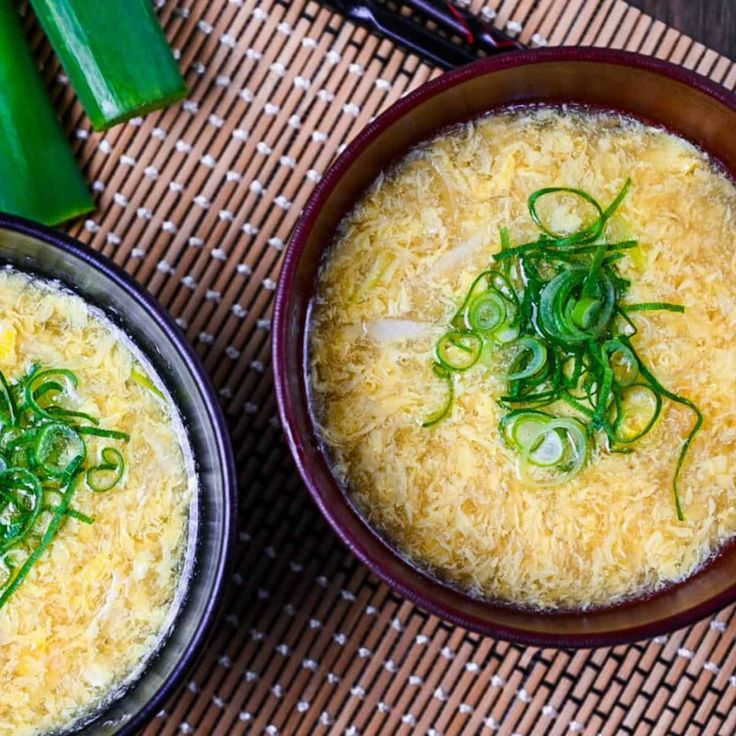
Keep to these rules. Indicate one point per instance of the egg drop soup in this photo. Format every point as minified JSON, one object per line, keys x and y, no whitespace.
{"x":101,"y":595}
{"x":443,"y":485}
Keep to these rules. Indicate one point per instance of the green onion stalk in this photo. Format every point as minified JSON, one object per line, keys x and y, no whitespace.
{"x":39,"y":178}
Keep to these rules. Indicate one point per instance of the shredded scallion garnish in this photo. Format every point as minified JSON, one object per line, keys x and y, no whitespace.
{"x":42,"y":461}
{"x":549,"y":318}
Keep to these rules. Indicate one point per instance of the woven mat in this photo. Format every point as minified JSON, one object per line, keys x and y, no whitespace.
{"x":197,"y":204}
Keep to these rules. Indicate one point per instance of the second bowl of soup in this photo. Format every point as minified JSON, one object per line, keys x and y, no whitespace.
{"x":116,"y":493}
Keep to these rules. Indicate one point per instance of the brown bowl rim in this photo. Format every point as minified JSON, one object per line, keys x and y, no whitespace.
{"x":367,"y":544}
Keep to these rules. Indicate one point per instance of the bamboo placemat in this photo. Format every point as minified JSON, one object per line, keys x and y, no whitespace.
{"x":197,"y":204}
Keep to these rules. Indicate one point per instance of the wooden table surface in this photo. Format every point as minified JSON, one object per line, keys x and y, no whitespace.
{"x":712,"y":22}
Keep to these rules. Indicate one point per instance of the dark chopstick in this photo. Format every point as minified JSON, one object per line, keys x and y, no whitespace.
{"x":478,"y":38}
{"x":405,"y":32}
{"x":477,"y":33}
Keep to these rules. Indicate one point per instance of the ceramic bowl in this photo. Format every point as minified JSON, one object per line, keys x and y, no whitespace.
{"x":52,"y":255}
{"x":651,"y":90}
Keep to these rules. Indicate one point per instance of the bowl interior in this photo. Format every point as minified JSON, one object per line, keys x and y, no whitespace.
{"x":53,"y":256}
{"x":650,"y":90}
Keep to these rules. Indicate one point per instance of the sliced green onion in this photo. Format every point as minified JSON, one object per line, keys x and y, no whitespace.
{"x":519,"y":427}
{"x":557,"y":303}
{"x":57,"y":448}
{"x":59,"y":412}
{"x":6,"y":394}
{"x":459,"y":350}
{"x":20,"y":505}
{"x":537,"y":398}
{"x":585,"y":311}
{"x":72,"y":514}
{"x":548,"y":449}
{"x":623,"y":362}
{"x":611,"y":209}
{"x":610,"y":247}
{"x":657,"y":386}
{"x":571,"y":378}
{"x":588,"y":233}
{"x":590,"y":285}
{"x":605,"y":385}
{"x":108,"y":473}
{"x":55,"y":382}
{"x":553,"y":307}
{"x":633,"y":419}
{"x":530,"y":356}
{"x":506,"y":255}
{"x":446,"y":408}
{"x":486,"y":312}
{"x":653,"y":306}
{"x":570,"y":463}
{"x":503,"y":284}
{"x":478,"y":287}
{"x":631,"y":329}
{"x":610,"y":260}
{"x":113,"y":434}
{"x":505,"y":238}
{"x":43,"y":456}
{"x":505,"y":245}
{"x":48,"y":537}
{"x":141,"y":378}
{"x":79,"y":516}
{"x":505,"y":334}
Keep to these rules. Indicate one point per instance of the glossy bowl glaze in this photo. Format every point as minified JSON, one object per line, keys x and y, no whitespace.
{"x":649,"y":89}
{"x":52,"y":255}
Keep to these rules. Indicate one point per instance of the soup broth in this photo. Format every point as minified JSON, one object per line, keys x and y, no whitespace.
{"x":450,"y":496}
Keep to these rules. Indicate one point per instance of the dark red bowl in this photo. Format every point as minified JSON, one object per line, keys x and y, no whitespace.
{"x":646,"y":88}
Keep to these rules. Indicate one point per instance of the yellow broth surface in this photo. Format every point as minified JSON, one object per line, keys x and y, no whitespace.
{"x":450,"y":496}
{"x":93,"y":606}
